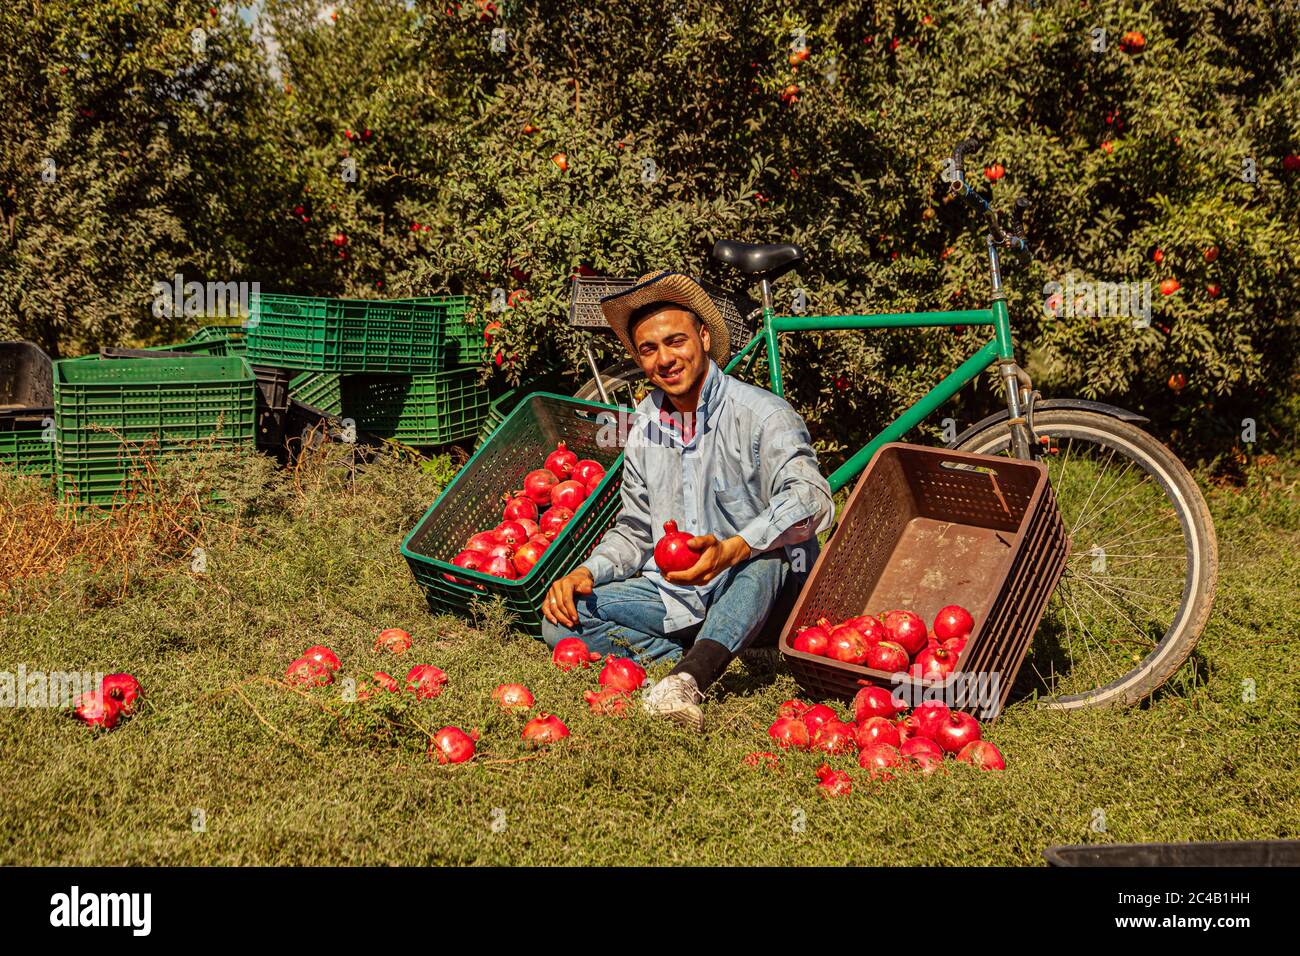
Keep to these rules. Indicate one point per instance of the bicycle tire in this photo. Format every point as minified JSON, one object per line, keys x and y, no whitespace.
{"x":1200,"y":544}
{"x":623,"y":375}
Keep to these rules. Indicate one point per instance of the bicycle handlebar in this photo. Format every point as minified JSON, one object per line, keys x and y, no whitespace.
{"x":1015,"y":237}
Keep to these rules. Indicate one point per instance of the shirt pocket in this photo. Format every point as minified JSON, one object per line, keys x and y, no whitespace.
{"x":737,"y":505}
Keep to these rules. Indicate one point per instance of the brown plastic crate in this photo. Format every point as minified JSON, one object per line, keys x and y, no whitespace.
{"x":932,"y":527}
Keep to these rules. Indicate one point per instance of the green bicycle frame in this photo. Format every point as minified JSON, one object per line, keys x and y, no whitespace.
{"x":997,"y":348}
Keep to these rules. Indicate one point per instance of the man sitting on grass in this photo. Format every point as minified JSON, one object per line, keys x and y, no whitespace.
{"x":731,"y":464}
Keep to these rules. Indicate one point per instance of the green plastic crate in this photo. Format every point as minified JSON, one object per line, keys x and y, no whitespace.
{"x":232,"y":338}
{"x":105,"y":411}
{"x":472,"y":502}
{"x":498,"y":409}
{"x":319,"y":390}
{"x":27,"y":451}
{"x":396,"y":336}
{"x":417,"y":409}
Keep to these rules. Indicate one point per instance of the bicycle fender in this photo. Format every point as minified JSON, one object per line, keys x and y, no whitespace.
{"x":1081,"y":404}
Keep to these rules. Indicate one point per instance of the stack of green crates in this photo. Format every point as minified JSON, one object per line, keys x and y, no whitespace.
{"x":404,"y":369}
{"x":106,"y":412}
{"x":27,"y":448}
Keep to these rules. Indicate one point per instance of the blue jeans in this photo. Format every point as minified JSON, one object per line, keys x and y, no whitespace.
{"x":626,"y":618}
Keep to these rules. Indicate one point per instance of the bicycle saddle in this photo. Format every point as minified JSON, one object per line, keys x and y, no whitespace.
{"x":764,"y":259}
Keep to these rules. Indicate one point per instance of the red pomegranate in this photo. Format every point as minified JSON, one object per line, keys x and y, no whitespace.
{"x":953,"y":621}
{"x":672,"y":552}
{"x":571,"y":652}
{"x":96,"y":709}
{"x":906,"y":630}
{"x":957,"y":731}
{"x":554,"y":520}
{"x":544,"y":729}
{"x":848,"y":645}
{"x":834,"y":737}
{"x":469,"y":560}
{"x":124,"y":689}
{"x":834,"y":783}
{"x":906,"y":726}
{"x":789,"y":732}
{"x":585,"y":470}
{"x":930,"y":715}
{"x":623,"y":674}
{"x":394,"y":638}
{"x":934,"y":664}
{"x":594,"y":478}
{"x":387,"y":682}
{"x":538,"y":485}
{"x":813,"y":640}
{"x":513,"y":697}
{"x":923,"y":752}
{"x":873,"y":701}
{"x":426,"y":681}
{"x":529,"y":553}
{"x":519,"y":506}
{"x":452,"y":745}
{"x":869,"y":627}
{"x":815,"y":716}
{"x":484,"y":541}
{"x":321,"y":654}
{"x":878,"y":759}
{"x":569,"y":494}
{"x":309,"y":673}
{"x":792,"y":708}
{"x":982,"y":754}
{"x":511,"y":532}
{"x":886,"y":656}
{"x":561,"y":462}
{"x":611,"y":702}
{"x":531,"y":527}
{"x":876,"y":730}
{"x":501,"y":564}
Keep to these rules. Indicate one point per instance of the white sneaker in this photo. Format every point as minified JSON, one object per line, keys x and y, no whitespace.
{"x":678,"y":698}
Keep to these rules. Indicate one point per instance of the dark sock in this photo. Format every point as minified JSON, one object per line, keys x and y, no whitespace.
{"x":705,"y":661}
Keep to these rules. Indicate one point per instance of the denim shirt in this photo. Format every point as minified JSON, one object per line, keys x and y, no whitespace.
{"x":746,"y":468}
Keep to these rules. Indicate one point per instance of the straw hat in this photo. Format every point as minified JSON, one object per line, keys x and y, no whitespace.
{"x":668,"y":287}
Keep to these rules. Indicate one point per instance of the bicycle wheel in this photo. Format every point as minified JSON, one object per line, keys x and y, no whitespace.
{"x":625,"y":384}
{"x":1139,"y":583}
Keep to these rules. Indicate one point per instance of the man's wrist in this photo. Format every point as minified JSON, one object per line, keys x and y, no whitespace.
{"x":739,"y":549}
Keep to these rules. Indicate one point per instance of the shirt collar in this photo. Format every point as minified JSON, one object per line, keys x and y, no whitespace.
{"x":710,"y":403}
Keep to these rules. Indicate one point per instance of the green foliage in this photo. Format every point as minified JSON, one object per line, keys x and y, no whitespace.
{"x":456,"y":186}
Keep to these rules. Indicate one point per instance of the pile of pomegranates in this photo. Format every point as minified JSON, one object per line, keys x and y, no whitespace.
{"x":884,"y":737}
{"x":117,"y":696}
{"x":895,"y":642}
{"x":532,"y":517}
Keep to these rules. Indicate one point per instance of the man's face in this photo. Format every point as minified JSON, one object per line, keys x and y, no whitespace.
{"x":672,"y":347}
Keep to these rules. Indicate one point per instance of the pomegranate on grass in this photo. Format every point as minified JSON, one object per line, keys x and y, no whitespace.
{"x":923,"y":752}
{"x":789,"y":732}
{"x":571,"y":652}
{"x":452,"y":745}
{"x":426,"y":681}
{"x":876,"y":730}
{"x":620,"y":673}
{"x":929,"y":716}
{"x":957,"y":731}
{"x":610,"y":702}
{"x":878,"y":759}
{"x":124,"y":689}
{"x":982,"y":754}
{"x":320,"y":654}
{"x":306,"y":672}
{"x":834,"y":737}
{"x":394,"y":638}
{"x":792,"y":708}
{"x":513,"y":697}
{"x":834,"y":783}
{"x":544,"y":729}
{"x":815,"y":716}
{"x":873,"y":701}
{"x":97,"y":710}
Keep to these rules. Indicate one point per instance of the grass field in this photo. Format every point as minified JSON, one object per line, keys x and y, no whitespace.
{"x":282,"y":777}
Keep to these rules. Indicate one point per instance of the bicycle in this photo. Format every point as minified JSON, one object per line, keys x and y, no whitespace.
{"x":1110,"y":636}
